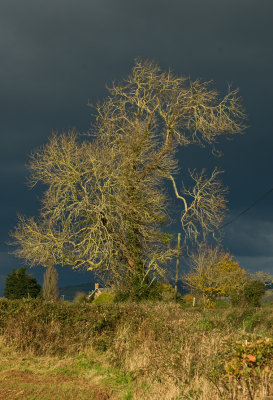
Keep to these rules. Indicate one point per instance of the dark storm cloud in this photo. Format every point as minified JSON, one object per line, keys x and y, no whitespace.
{"x":49,"y":46}
{"x":256,"y":263}
{"x":55,"y":55}
{"x":251,"y":237}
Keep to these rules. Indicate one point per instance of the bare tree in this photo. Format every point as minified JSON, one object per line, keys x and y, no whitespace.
{"x":50,"y":284}
{"x":106,"y":201}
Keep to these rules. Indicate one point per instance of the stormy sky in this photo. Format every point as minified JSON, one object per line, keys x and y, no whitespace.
{"x":55,"y":56}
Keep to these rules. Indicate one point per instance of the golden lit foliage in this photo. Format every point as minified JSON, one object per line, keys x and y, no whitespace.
{"x":214,"y":273}
{"x":93,"y":211}
{"x":105,"y":203}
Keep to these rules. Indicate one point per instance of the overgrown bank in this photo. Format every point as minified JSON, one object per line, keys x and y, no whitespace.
{"x":168,"y":352}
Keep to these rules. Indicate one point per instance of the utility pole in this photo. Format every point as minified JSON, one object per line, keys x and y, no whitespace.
{"x":177,"y":266}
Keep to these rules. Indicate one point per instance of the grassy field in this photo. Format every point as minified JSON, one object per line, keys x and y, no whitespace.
{"x":81,"y":377}
{"x":129,"y":351}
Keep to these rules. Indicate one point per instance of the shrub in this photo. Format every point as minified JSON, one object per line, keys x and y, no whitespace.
{"x":166,"y":292}
{"x":80,"y":297}
{"x":104,"y":298}
{"x":188,"y":299}
{"x":156,"y":291}
{"x":139,"y":291}
{"x":236,"y":297}
{"x":253,"y":292}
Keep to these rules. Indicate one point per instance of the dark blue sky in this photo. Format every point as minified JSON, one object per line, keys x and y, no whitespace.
{"x":57,"y":55}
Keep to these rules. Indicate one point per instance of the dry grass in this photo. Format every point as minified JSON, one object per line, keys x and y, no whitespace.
{"x":128,"y":351}
{"x":23,"y":376}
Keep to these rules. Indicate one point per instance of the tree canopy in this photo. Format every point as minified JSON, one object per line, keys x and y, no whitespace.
{"x":106,"y":203}
{"x":20,"y":284}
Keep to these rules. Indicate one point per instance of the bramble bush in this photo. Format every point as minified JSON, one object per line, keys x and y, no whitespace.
{"x":251,"y":363}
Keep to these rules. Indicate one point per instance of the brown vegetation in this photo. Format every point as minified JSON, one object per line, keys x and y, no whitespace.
{"x":165,"y":351}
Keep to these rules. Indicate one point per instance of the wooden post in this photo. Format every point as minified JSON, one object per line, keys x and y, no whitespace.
{"x":177,"y":266}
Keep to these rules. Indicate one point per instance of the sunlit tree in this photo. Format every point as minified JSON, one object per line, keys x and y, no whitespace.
{"x":106,"y":202}
{"x":214,"y":273}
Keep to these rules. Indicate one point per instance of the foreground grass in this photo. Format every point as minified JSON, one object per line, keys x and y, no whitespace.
{"x":81,"y":377}
{"x":129,"y":351}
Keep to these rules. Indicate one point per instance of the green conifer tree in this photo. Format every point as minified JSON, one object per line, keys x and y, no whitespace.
{"x":20,"y":284}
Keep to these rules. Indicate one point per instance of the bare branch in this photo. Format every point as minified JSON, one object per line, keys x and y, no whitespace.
{"x":105,"y":203}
